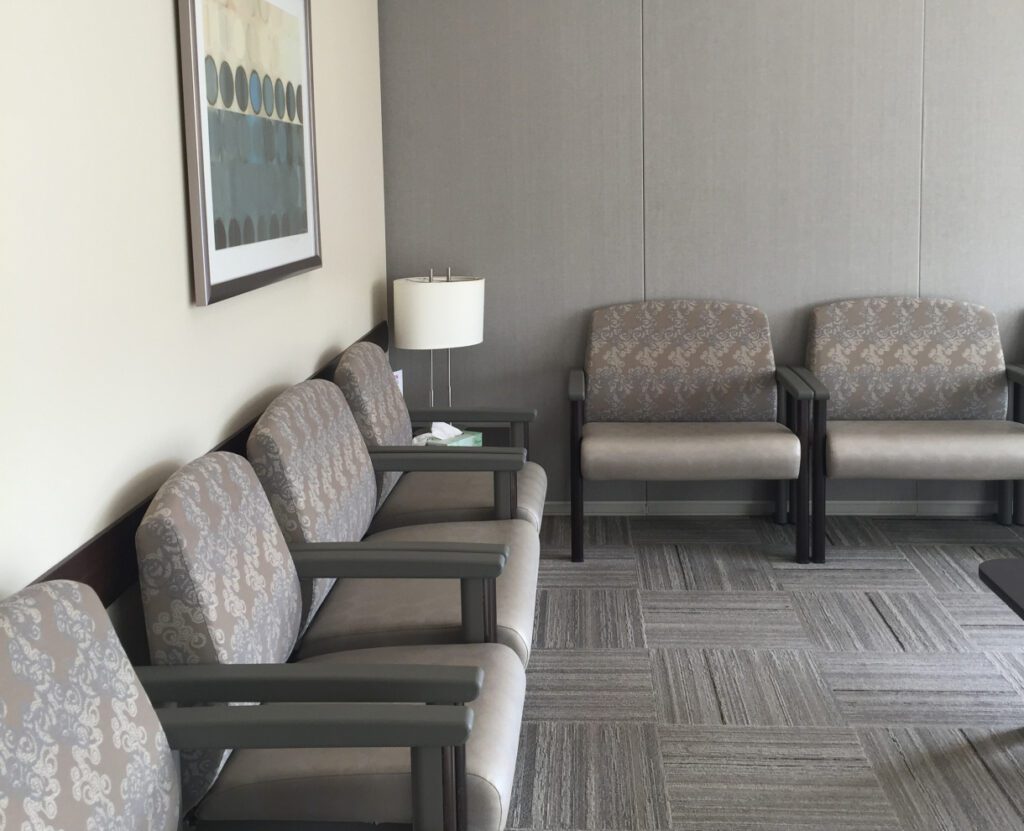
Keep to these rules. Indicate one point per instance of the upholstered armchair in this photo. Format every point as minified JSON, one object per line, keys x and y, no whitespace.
{"x":89,"y":750}
{"x":430,"y":484}
{"x":319,"y":475}
{"x":677,"y":390}
{"x":221,"y":588}
{"x":911,"y":388}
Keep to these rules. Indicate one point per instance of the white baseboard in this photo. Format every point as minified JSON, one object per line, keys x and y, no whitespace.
{"x":740,"y":507}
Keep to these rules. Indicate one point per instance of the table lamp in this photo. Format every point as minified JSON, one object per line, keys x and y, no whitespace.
{"x":438,"y":313}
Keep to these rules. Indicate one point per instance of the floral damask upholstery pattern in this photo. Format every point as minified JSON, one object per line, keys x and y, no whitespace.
{"x":365,"y":378}
{"x":908,"y":358}
{"x":218,"y":582}
{"x":310,"y":457}
{"x":80,"y":744}
{"x":680,"y":360}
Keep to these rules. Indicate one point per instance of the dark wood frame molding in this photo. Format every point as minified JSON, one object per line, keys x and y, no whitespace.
{"x":107,"y":562}
{"x":194,"y":98}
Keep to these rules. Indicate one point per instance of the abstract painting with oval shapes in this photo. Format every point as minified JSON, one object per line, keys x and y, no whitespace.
{"x":247,"y":75}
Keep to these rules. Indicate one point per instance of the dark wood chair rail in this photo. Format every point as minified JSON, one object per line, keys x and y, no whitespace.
{"x":107,"y":562}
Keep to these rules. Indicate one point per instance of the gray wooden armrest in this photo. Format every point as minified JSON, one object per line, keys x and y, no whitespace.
{"x":400,"y":560}
{"x":793,"y":384}
{"x":577,"y":385}
{"x":1015,"y":373}
{"x":407,"y":458}
{"x":474,"y":565}
{"x":497,"y":415}
{"x":811,"y":380}
{"x":308,"y":682}
{"x":316,"y":725}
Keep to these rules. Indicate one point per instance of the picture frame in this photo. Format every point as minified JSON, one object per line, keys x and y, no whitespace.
{"x":250,"y":141}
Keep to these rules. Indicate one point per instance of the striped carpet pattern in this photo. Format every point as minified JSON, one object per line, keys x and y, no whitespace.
{"x":690,"y":676}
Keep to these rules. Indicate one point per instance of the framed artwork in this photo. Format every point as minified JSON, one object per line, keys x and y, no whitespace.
{"x":247,"y":81}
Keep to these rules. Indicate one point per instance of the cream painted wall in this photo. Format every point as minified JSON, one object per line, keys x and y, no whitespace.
{"x":109,"y":377}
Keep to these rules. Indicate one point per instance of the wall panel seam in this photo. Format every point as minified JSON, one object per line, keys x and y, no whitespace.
{"x":643,"y":147}
{"x":920,"y":183}
{"x":643,"y":157}
{"x":920,"y":179}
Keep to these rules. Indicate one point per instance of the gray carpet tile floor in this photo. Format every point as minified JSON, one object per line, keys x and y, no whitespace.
{"x":690,"y":676}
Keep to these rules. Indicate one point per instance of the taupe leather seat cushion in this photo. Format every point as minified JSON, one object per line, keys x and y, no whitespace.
{"x":424,"y":497}
{"x":365,"y":613}
{"x":925,"y":450}
{"x":689,"y":451}
{"x":373,"y":785}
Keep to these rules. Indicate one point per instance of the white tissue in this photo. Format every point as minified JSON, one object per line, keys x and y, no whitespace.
{"x":440,"y":431}
{"x":444,"y":431}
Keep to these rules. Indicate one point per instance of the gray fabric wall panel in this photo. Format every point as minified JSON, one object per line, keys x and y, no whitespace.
{"x":513,"y":151}
{"x":972,"y":243}
{"x":579,"y":153}
{"x":782,"y":152}
{"x":973,"y":187}
{"x":782,"y":161}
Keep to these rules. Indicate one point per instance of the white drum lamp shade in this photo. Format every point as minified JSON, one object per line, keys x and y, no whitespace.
{"x":443,"y":313}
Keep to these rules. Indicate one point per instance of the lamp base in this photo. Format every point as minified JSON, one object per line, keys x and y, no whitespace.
{"x":449,"y":351}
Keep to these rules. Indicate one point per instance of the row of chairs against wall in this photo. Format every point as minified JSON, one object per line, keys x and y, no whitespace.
{"x":376,"y":599}
{"x":893,"y":388}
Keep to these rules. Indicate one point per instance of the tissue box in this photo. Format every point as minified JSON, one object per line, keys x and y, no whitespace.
{"x":467,"y":438}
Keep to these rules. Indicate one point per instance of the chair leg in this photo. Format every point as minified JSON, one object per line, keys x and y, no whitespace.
{"x":791,"y":423}
{"x":461,"y":799}
{"x":577,"y":530}
{"x":1018,"y":489}
{"x":818,"y":483}
{"x":781,"y":500}
{"x":576,"y":508}
{"x":1004,"y":512}
{"x":576,"y":480}
{"x":435,"y":795}
{"x":803,"y":512}
{"x":504,"y":495}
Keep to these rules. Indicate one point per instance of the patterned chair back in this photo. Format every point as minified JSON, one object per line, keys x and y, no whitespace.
{"x":680,"y":360}
{"x":908,"y":358}
{"x":80,"y":743}
{"x":310,"y":457}
{"x":366,"y":380}
{"x":218,"y":582}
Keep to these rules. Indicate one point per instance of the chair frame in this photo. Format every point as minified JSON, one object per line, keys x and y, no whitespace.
{"x":319,"y":706}
{"x":795,"y":407}
{"x":476,"y":566}
{"x":394,"y":718}
{"x":370,"y":705}
{"x":503,"y":462}
{"x":1010,"y":501}
{"x":517,"y":421}
{"x":436,"y":459}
